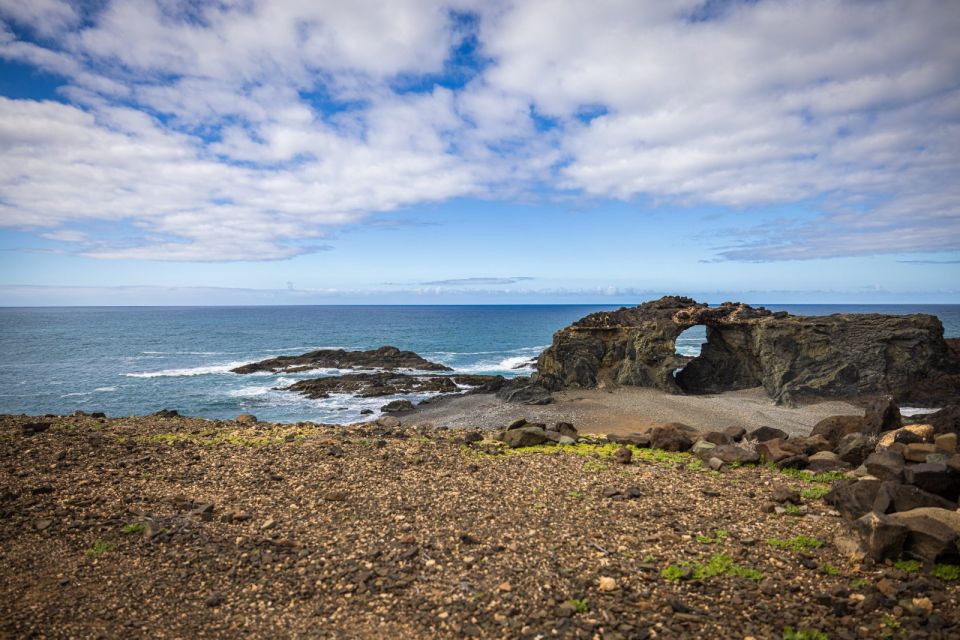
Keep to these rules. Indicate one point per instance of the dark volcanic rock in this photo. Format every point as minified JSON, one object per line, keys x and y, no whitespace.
{"x":397,"y":406}
{"x":894,"y":497}
{"x":947,"y":420}
{"x":885,"y":464}
{"x":932,"y":533}
{"x":673,"y":437}
{"x":522,"y":391}
{"x":883,"y":414}
{"x":880,"y":536}
{"x":375,"y":385}
{"x":853,"y":499}
{"x":934,"y":478}
{"x":834,"y":428}
{"x":382,"y":358}
{"x":767,"y":433}
{"x":524,"y":437}
{"x":855,"y":447}
{"x":792,"y":357}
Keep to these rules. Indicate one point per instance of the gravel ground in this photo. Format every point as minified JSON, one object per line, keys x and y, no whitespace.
{"x":622,"y":410}
{"x":186,"y":528}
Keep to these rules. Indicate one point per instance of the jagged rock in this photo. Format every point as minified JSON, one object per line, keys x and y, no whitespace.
{"x":932,"y":533}
{"x":763,"y":434}
{"x":382,"y":358}
{"x":735,"y":433}
{"x":880,"y":536}
{"x":776,"y":450}
{"x":673,"y":437}
{"x":883,"y":414}
{"x":894,"y":497}
{"x":396,"y":406}
{"x":826,"y":461}
{"x":853,"y":499}
{"x":792,"y":357}
{"x":524,"y":437}
{"x":855,"y":447}
{"x":732,"y":454}
{"x":934,"y":478}
{"x":833,"y":428}
{"x":885,"y":464}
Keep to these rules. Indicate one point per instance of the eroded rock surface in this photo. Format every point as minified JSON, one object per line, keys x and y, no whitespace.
{"x":792,"y":357}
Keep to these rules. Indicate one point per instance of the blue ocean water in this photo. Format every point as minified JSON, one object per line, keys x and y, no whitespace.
{"x":136,"y":360}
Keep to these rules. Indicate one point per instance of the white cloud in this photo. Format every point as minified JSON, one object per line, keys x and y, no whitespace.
{"x":245,"y":130}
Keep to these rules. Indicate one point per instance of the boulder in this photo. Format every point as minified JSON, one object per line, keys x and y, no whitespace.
{"x":936,"y":478}
{"x":623,"y":455}
{"x":673,"y":437}
{"x":918,"y":451}
{"x":880,"y":536}
{"x":388,"y":422}
{"x":798,"y":461}
{"x":893,"y":497}
{"x":932,"y":533}
{"x":733,"y":454}
{"x":812,"y":444}
{"x":525,"y":393}
{"x":854,"y":448}
{"x":246,"y":418}
{"x":566,"y":429}
{"x":883,"y":414}
{"x":853,"y":499}
{"x":946,"y":443}
{"x":826,"y":461}
{"x":906,"y":435}
{"x":523,"y":437}
{"x":717,"y":437}
{"x":885,"y":465}
{"x":763,"y":434}
{"x":735,"y":433}
{"x":397,"y":406}
{"x":702,"y":448}
{"x":637,"y":439}
{"x":833,"y":428}
{"x":781,"y":495}
{"x":791,"y":357}
{"x":947,"y":420}
{"x":776,"y":450}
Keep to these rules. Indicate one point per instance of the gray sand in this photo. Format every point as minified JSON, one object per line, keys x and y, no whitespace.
{"x":628,"y":408}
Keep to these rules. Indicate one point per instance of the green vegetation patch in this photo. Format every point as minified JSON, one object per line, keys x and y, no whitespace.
{"x":598,"y":452}
{"x":719,"y":564}
{"x":99,"y":548}
{"x":718,"y":537}
{"x":948,"y":572}
{"x":814,"y":493}
{"x":133,"y":528}
{"x":799,"y":543}
{"x":579,"y":605}
{"x":909,"y":566}
{"x":237,"y":437}
{"x":804,"y":634}
{"x":825,"y":477}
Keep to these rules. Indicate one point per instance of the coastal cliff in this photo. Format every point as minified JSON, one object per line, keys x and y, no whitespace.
{"x":792,"y":357}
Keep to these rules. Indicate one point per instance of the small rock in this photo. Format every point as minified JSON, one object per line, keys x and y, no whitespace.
{"x":246,"y":418}
{"x":855,"y":447}
{"x":885,"y":465}
{"x":366,"y":412}
{"x":715,"y":463}
{"x":623,"y":455}
{"x":735,"y":433}
{"x":880,"y":537}
{"x":505,"y":587}
{"x":388,"y":422}
{"x":767,"y":433}
{"x":516,"y":424}
{"x":335,"y":451}
{"x":781,"y":495}
{"x":216,"y":600}
{"x":566,"y":429}
{"x":472,"y":437}
{"x":269,"y":523}
{"x":566,"y":440}
{"x":524,"y":437}
{"x":397,"y":406}
{"x":605,"y":583}
{"x":702,"y":448}
{"x":42,"y":523}
{"x":918,"y":451}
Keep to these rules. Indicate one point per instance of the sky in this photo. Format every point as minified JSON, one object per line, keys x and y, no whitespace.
{"x":411,"y":151}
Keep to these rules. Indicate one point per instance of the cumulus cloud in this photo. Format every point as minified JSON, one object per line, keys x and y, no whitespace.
{"x":247,"y":131}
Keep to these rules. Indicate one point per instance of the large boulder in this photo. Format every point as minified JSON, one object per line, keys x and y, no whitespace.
{"x":947,"y":420}
{"x":885,"y":464}
{"x":853,"y":499}
{"x":932,"y":533}
{"x":855,"y":447}
{"x":522,"y":391}
{"x":894,"y":497}
{"x":777,"y":449}
{"x":883,"y":414}
{"x":880,"y":536}
{"x":733,"y":454}
{"x":762,"y":434}
{"x":524,"y":437}
{"x":673,"y":437}
{"x":934,"y":477}
{"x":833,"y":428}
{"x":792,"y":357}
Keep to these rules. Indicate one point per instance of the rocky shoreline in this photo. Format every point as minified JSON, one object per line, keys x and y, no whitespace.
{"x":184,"y":527}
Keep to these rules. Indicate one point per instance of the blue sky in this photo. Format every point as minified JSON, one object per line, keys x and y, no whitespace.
{"x":170,"y":152}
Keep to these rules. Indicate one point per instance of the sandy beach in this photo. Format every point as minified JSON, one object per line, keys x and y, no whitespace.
{"x":628,"y":409}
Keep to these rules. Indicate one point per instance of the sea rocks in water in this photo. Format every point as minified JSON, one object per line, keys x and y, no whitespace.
{"x":526,"y":436}
{"x":383,"y":358}
{"x":375,"y":385}
{"x":792,"y":357}
{"x":397,"y":406}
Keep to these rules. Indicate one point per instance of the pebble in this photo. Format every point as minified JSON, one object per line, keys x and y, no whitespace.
{"x":605,"y":583}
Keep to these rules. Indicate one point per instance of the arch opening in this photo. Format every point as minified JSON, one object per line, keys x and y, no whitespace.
{"x":689,"y":345}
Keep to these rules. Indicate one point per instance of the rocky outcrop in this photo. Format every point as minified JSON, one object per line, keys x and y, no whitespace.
{"x":792,"y":357}
{"x":388,"y":358}
{"x":376,"y":385}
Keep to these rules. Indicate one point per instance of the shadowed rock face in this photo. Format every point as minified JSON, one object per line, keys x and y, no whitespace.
{"x":388,"y":358}
{"x":792,"y":357}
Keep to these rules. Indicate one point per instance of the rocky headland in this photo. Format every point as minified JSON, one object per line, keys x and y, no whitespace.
{"x":794,"y":358}
{"x":386,"y":357}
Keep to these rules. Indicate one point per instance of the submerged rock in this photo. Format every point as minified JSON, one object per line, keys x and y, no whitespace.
{"x":792,"y":357}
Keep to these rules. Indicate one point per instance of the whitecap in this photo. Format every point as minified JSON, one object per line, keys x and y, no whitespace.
{"x":189,"y":371}
{"x":916,"y":411}
{"x":105,"y":389}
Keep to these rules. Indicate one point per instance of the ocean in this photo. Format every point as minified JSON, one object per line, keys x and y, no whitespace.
{"x":137,"y":360}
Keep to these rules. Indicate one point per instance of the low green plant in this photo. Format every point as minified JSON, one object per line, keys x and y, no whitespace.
{"x":647,"y":559}
{"x":579,"y":605}
{"x":908,"y":566}
{"x":803,"y":633}
{"x":719,"y":536}
{"x":792,"y":509}
{"x":99,"y":548}
{"x":719,"y":564}
{"x":829,"y":569}
{"x":798,"y":543}
{"x":948,"y":572}
{"x":695,"y":465}
{"x":814,"y":493}
{"x":575,"y":494}
{"x":859,"y":583}
{"x":825,"y":477}
{"x":132,"y":528}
